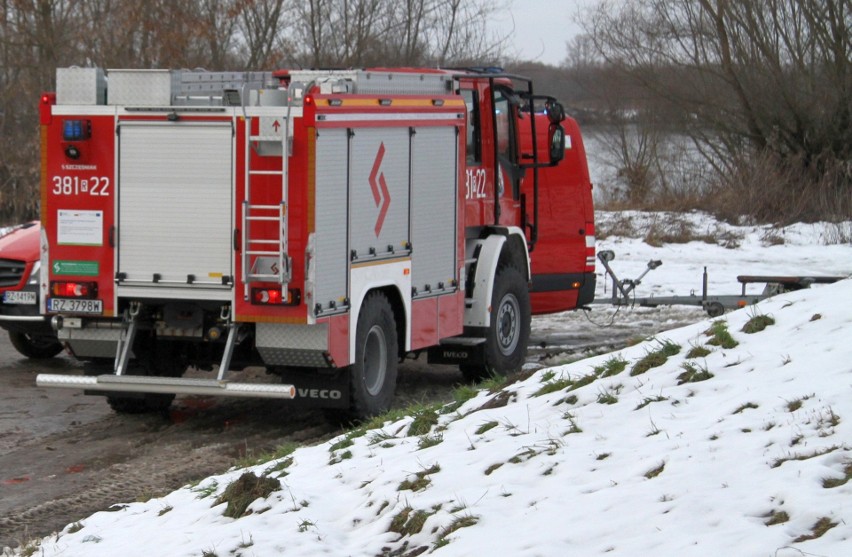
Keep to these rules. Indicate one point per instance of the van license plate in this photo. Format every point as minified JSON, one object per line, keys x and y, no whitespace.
{"x":19,"y":297}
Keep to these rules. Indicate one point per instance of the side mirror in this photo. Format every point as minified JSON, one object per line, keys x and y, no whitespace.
{"x":556,"y":135}
{"x":555,"y":112}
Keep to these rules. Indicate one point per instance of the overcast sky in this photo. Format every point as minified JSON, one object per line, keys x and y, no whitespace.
{"x":541,"y":27}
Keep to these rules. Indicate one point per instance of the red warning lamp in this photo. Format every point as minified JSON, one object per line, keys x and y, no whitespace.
{"x":266,"y":296}
{"x":273,"y":296}
{"x":68,"y":289}
{"x":47,"y":101}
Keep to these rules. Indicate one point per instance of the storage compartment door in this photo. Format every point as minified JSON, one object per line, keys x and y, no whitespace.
{"x":434,"y":194}
{"x":331,"y":258}
{"x":175,"y":209}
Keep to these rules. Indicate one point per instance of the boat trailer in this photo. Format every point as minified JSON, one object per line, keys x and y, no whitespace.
{"x":715,"y":306}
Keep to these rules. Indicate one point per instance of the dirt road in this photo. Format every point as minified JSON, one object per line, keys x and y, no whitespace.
{"x":65,"y":455}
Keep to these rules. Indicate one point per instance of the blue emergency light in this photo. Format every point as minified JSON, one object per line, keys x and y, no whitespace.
{"x":76,"y":130}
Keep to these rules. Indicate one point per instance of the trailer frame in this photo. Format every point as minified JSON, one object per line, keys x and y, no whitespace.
{"x":714,"y":305}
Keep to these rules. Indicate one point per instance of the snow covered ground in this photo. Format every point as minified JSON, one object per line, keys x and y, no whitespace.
{"x":724,"y":449}
{"x":726,"y":251}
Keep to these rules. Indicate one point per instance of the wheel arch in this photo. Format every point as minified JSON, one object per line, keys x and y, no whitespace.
{"x":497,"y":247}
{"x":515,"y":254}
{"x":392,"y":279}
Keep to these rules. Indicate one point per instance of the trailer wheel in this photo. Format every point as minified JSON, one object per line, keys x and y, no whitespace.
{"x":509,"y":332}
{"x":373,"y":375}
{"x":36,"y":347}
{"x":715,"y":309}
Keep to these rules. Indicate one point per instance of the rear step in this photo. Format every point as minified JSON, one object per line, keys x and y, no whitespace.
{"x":170,"y":385}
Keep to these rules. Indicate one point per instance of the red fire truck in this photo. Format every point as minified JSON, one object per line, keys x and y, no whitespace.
{"x":323,"y":224}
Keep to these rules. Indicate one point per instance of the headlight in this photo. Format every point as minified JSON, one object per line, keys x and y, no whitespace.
{"x":34,"y":275}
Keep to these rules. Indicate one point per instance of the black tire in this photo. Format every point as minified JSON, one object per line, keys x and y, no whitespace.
{"x":715,"y":309}
{"x":158,"y":361}
{"x":144,"y":404}
{"x":506,"y":341}
{"x":372,"y":377}
{"x":37,"y":347}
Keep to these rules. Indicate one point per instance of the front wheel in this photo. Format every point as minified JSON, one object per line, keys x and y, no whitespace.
{"x":509,"y":331}
{"x":37,"y":347}
{"x":373,"y":375}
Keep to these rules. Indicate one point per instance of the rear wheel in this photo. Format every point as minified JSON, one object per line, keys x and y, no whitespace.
{"x":37,"y":347}
{"x":373,"y":375}
{"x":509,"y":331}
{"x":158,"y":361}
{"x":143,"y":404}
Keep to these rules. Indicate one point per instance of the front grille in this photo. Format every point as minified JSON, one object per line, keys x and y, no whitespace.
{"x":11,"y":272}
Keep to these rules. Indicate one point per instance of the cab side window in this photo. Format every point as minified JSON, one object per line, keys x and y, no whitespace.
{"x":504,"y":129}
{"x":507,"y":148}
{"x":474,"y":143}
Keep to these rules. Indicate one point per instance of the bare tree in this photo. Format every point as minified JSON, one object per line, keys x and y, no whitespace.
{"x":768,"y":77}
{"x":460,"y":33}
{"x":409,"y":21}
{"x":37,"y":36}
{"x":344,"y":33}
{"x":116,"y":34}
{"x":219,"y":19}
{"x":261,"y":29}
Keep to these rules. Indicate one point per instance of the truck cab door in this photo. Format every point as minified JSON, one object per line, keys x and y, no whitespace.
{"x":505,"y":126}
{"x":478,"y":184}
{"x":493,"y":174}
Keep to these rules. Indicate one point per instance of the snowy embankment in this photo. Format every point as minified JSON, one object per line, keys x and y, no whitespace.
{"x":726,"y":252}
{"x":690,"y":443}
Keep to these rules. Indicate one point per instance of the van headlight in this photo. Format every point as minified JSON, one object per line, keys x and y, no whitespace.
{"x":35,"y":274}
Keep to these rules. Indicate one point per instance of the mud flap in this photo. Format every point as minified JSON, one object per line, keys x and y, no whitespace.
{"x":458,"y":354}
{"x":318,"y":389}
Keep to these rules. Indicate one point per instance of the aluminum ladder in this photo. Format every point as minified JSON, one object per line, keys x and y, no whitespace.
{"x":257,"y":248}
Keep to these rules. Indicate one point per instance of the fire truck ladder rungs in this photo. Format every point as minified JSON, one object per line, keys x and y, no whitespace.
{"x":254,"y":246}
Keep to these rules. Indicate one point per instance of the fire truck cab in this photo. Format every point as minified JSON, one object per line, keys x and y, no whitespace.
{"x":322,"y":224}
